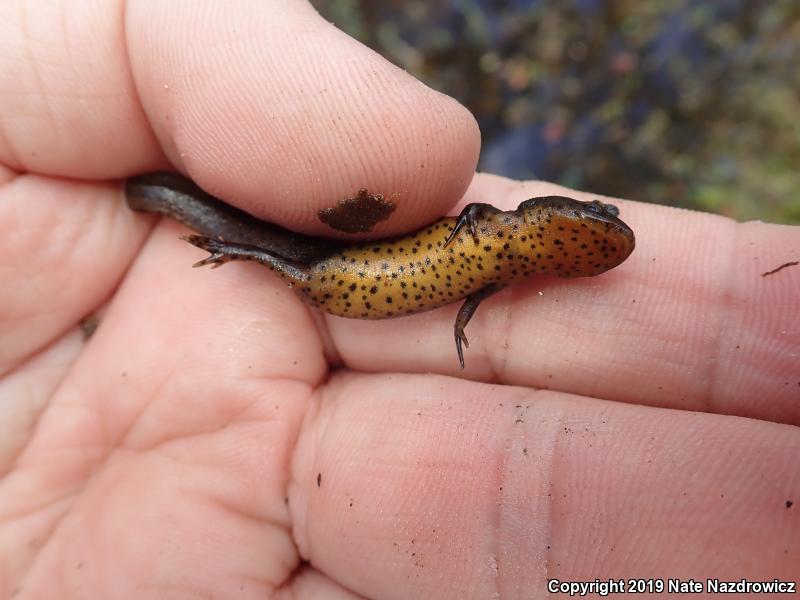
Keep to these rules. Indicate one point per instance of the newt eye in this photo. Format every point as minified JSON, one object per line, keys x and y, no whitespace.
{"x":598,"y":207}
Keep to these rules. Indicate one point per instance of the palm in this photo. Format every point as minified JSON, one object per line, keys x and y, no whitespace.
{"x":200,"y":443}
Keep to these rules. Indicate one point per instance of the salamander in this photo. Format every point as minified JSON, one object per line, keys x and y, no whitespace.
{"x":468,"y":257}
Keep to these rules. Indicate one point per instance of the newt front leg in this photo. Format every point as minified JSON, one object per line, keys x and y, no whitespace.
{"x":469,"y":217}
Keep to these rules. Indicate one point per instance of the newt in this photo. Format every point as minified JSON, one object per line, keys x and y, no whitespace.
{"x":468,"y":257}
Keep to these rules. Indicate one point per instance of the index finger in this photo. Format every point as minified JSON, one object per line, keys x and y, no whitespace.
{"x":686,"y":322}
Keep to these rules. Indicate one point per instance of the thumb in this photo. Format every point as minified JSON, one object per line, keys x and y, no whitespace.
{"x":269,"y":106}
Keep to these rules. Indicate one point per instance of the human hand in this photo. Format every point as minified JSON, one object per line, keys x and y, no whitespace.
{"x":217,"y":437}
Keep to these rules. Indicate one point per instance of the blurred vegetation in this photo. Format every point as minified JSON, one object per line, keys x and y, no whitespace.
{"x":682,"y":102}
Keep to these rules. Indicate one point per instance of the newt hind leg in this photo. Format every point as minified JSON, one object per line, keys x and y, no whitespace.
{"x":465,"y":314}
{"x":222,"y":252}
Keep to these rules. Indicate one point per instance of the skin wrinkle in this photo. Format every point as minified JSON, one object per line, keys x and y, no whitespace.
{"x":502,"y":492}
{"x":84,"y":467}
{"x":230,"y":418}
{"x":122,"y":438}
{"x":48,"y":504}
{"x":550,"y":477}
{"x":501,"y":332}
{"x":722,"y":300}
{"x":239,"y":511}
{"x":133,"y":87}
{"x":7,"y":174}
{"x":62,"y":13}
{"x":312,"y":416}
{"x":40,"y":546}
{"x":9,"y":147}
{"x":5,"y":142}
{"x":12,"y":459}
{"x":30,"y":315}
{"x":33,"y":63}
{"x":41,"y":408}
{"x":330,"y":348}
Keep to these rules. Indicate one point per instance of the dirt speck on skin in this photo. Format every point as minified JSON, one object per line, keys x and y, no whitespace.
{"x":793,"y":263}
{"x":319,"y":479}
{"x":89,"y":325}
{"x":358,"y":214}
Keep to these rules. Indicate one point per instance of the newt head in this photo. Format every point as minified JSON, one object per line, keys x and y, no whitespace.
{"x":570,"y":238}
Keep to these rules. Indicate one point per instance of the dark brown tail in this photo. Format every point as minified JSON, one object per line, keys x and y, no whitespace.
{"x":177,"y":197}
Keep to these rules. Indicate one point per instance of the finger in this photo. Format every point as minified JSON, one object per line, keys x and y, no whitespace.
{"x":434,"y":487}
{"x":687,"y":321}
{"x":263,"y":103}
{"x":64,"y":249}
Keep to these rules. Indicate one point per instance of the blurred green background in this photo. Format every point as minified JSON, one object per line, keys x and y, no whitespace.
{"x":689,"y":103}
